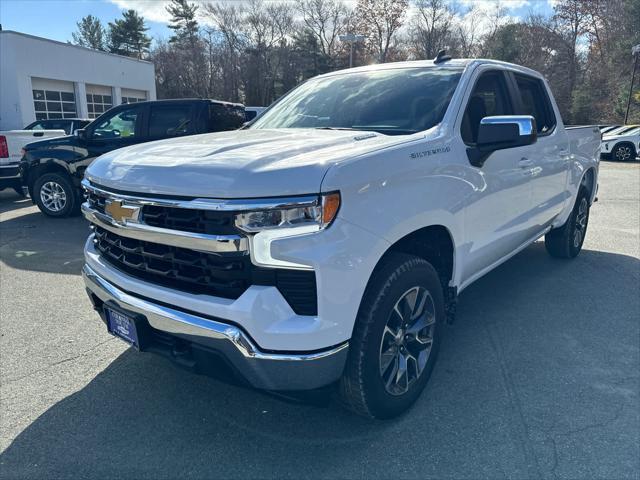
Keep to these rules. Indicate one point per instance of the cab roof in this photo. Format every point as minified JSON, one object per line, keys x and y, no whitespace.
{"x":462,"y":63}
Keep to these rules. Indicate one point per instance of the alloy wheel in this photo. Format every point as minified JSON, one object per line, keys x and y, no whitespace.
{"x":407,"y":340}
{"x":53,"y":196}
{"x":623,"y":153}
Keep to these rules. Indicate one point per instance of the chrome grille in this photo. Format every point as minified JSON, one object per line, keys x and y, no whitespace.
{"x":224,"y":275}
{"x":194,"y":250}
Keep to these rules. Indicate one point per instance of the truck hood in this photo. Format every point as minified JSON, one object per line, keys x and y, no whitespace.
{"x":64,"y":140}
{"x":236,"y":164}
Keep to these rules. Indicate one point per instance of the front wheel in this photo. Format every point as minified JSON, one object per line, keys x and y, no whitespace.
{"x":55,"y":195}
{"x":566,"y":241}
{"x":396,"y":338}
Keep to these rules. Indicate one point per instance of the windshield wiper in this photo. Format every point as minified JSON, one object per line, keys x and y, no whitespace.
{"x":336,"y":128}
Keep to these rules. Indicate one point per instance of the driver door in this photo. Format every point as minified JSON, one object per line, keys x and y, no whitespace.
{"x":118,"y":129}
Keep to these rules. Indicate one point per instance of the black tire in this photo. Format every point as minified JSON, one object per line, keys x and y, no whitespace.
{"x":363,"y":388}
{"x":52,"y":183}
{"x":566,"y":241}
{"x":624,"y":152}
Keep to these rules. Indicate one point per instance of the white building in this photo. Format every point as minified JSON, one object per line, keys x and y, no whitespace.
{"x":41,"y":78}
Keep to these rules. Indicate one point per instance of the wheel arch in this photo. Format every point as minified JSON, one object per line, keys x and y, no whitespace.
{"x":433,"y":243}
{"x":37,"y":171}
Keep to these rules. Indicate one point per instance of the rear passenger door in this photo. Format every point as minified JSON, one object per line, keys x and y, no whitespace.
{"x":549,"y":156}
{"x":170,"y":120}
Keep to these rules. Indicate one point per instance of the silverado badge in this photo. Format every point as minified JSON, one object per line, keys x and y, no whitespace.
{"x":120,"y":212}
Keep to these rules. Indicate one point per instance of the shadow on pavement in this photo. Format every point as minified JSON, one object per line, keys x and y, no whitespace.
{"x":10,"y":200}
{"x":541,"y":350}
{"x":29,"y":240}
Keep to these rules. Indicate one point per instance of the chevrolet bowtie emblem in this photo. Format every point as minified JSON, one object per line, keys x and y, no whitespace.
{"x":121,"y":212}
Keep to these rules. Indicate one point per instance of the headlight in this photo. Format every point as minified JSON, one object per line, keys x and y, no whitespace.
{"x":286,"y":218}
{"x":301,"y":212}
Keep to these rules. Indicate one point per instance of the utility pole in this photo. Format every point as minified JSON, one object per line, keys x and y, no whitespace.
{"x":635,"y":51}
{"x":351,"y":38}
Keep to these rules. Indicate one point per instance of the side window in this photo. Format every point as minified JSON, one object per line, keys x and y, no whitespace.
{"x":36,"y":126}
{"x":57,"y":125}
{"x":119,"y":125}
{"x":489,"y":98}
{"x":169,"y":121}
{"x":535,"y":102}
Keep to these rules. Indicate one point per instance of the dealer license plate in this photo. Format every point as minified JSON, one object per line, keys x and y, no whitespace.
{"x":123,"y":326}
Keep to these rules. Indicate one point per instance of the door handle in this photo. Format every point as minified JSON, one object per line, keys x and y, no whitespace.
{"x":525,"y":163}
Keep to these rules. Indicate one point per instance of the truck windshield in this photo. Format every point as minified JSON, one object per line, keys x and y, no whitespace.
{"x":398,"y":101}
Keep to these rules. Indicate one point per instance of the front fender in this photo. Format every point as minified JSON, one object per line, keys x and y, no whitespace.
{"x":394,"y":193}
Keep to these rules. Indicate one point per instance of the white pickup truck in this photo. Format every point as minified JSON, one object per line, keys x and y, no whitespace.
{"x":11,"y":144}
{"x":326,"y":243}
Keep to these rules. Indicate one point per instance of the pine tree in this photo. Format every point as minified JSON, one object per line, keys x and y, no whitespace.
{"x":90,"y":34}
{"x":183,"y":21}
{"x":127,"y":35}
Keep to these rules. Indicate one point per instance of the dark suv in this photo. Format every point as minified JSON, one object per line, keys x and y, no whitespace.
{"x":52,"y":169}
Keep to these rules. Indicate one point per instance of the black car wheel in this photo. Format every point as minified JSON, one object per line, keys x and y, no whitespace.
{"x":55,"y":195}
{"x":566,"y":241}
{"x":395,"y":341}
{"x":624,"y":152}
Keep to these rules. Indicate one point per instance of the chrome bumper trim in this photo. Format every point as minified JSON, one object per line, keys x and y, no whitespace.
{"x":175,"y":238}
{"x":276,"y":371}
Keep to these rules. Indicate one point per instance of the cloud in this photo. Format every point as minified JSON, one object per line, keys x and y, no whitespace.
{"x":490,"y":4}
{"x":154,"y":10}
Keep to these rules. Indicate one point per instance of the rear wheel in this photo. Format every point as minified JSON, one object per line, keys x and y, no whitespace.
{"x":624,"y":152}
{"x":396,"y":338}
{"x":566,"y":241}
{"x":55,"y":195}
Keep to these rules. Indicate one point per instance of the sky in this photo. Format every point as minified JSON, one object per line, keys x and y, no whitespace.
{"x":56,"y":19}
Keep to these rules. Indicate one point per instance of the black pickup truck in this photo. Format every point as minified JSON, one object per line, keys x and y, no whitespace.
{"x":52,"y":169}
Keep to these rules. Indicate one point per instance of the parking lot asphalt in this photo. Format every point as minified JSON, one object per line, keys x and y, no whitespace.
{"x":538,"y":378}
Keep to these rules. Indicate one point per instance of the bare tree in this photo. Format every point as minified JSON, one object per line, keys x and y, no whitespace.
{"x":256,"y":36}
{"x":255,"y":50}
{"x":467,"y":31}
{"x":571,"y":19}
{"x":324,"y":18}
{"x":430,"y":27}
{"x":379,"y":20}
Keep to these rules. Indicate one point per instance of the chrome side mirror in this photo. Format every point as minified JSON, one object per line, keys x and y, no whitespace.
{"x":502,"y":132}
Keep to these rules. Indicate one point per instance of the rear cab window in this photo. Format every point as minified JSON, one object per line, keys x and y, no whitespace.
{"x":534,"y":101}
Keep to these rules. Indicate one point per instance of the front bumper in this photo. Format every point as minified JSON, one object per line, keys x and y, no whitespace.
{"x":197,"y":334}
